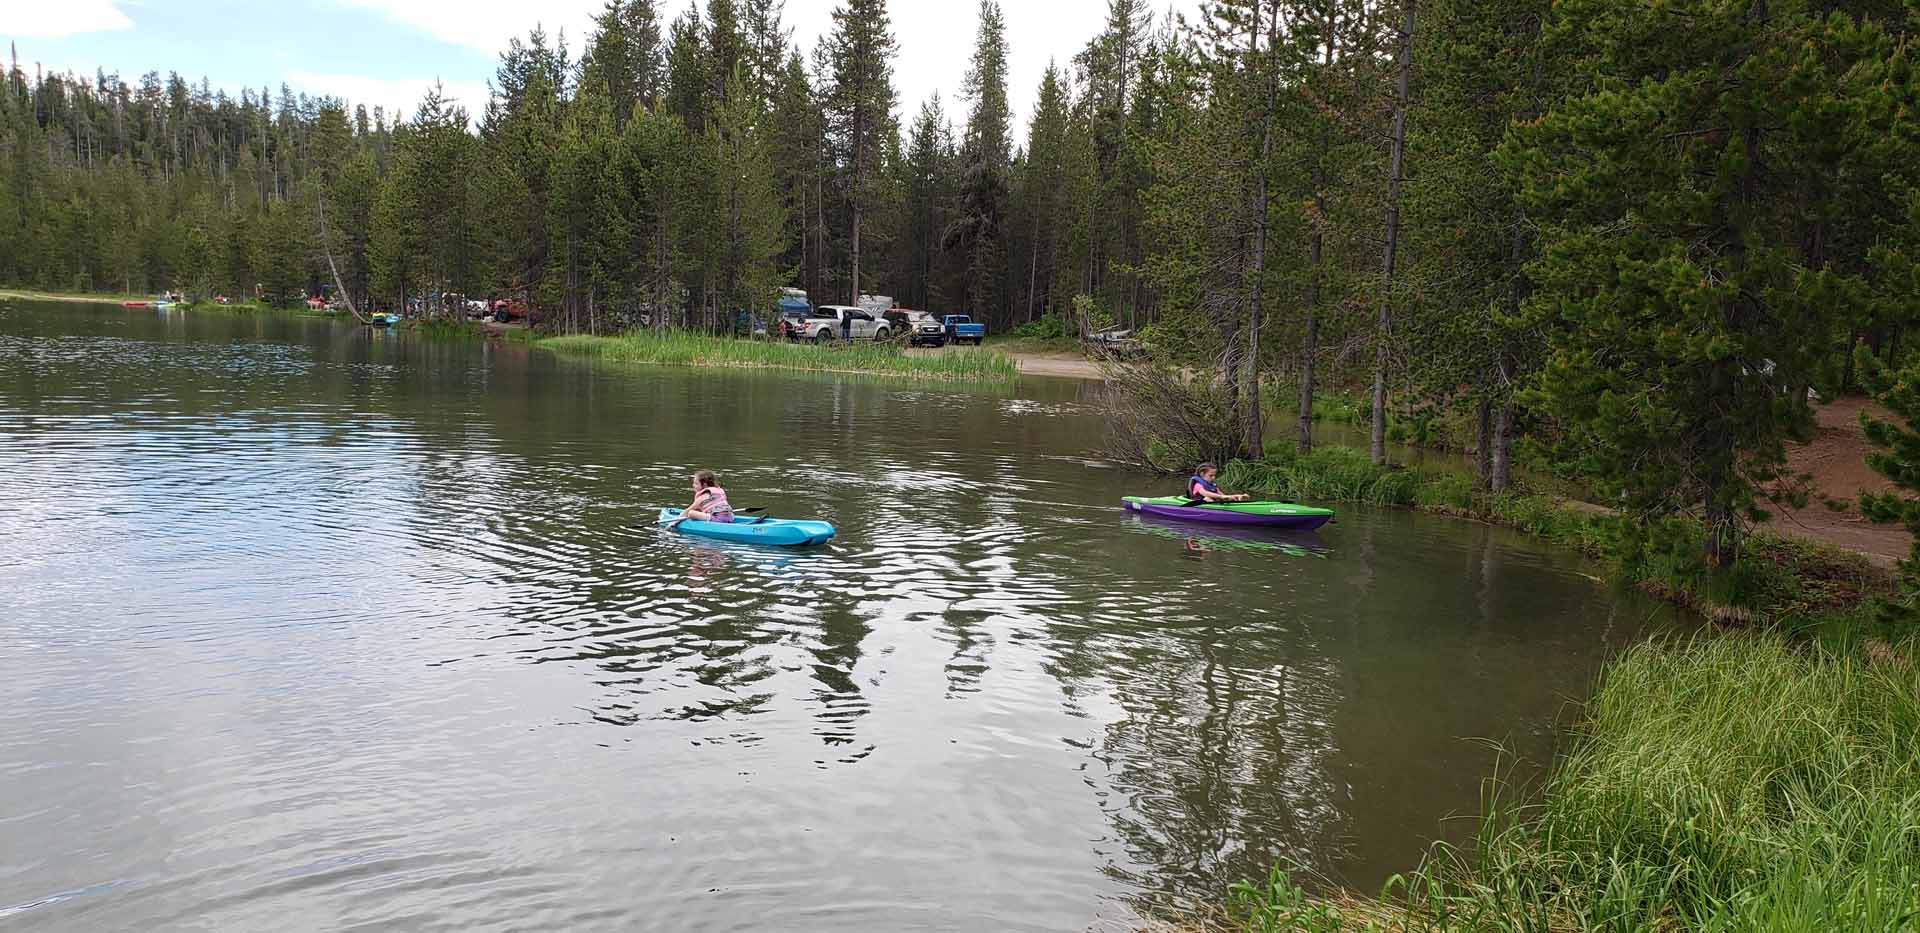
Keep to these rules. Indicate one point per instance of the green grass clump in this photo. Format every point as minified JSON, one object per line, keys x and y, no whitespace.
{"x":1328,"y":474}
{"x":678,"y":348}
{"x":1741,"y":782}
{"x":1784,"y":581}
{"x":1736,"y":783}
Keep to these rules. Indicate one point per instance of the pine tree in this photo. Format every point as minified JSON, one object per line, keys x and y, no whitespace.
{"x":978,"y":231}
{"x":767,"y":42}
{"x":929,"y":183}
{"x":859,"y":109}
{"x":753,"y":220}
{"x":607,"y":66}
{"x":686,"y":91}
{"x":797,"y":131}
{"x":1685,"y":317}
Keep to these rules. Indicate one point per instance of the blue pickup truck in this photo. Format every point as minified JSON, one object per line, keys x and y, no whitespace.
{"x":962,"y":329}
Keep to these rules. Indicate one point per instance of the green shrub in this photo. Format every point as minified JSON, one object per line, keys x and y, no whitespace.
{"x":1046,"y":327}
{"x":1445,"y":490}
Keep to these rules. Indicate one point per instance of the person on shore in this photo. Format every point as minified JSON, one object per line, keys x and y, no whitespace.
{"x":1202,"y":485}
{"x":709,"y":501}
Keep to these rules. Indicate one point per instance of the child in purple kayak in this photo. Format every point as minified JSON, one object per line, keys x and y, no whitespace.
{"x":709,"y":501}
{"x":1202,"y":486}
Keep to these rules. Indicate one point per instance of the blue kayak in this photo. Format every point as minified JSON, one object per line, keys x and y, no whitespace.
{"x":787,"y":532}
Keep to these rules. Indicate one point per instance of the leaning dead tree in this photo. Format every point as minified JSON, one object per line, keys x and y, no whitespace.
{"x":326,"y":246}
{"x":1165,"y":420}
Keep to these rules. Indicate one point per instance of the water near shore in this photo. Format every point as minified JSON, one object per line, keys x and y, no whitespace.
{"x":306,"y":625}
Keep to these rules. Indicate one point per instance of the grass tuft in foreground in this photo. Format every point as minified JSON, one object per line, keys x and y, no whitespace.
{"x":1736,"y":783}
{"x":686,"y":349}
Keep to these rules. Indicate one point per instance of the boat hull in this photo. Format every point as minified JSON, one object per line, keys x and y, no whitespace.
{"x":1257,"y":514}
{"x":783,"y":532}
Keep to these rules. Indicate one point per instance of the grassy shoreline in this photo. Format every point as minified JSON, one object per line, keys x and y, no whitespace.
{"x":1787,"y":582}
{"x":684,"y":349}
{"x":1762,"y":776}
{"x":1731,"y":783}
{"x":238,"y":307}
{"x":27,"y":294}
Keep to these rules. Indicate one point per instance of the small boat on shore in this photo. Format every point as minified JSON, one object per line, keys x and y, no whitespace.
{"x":136,"y":304}
{"x":383,"y":319}
{"x":786,"y":532}
{"x":1267,"y":514}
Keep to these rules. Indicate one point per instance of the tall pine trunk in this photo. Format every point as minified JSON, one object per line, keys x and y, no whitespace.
{"x":1252,"y":443}
{"x":1501,"y":465}
{"x":1384,"y":333}
{"x":1316,"y":261}
{"x":1483,"y":446}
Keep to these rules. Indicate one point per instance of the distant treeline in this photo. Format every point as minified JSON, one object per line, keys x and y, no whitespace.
{"x":1640,"y":231}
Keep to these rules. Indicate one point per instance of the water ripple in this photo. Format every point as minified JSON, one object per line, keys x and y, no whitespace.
{"x":311,"y":627}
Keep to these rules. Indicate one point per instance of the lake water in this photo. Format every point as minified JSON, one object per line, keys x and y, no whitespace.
{"x":304,"y":625}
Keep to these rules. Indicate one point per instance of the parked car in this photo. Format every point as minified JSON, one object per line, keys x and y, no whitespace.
{"x":826,"y":322}
{"x":925,"y":330}
{"x":1116,"y":342}
{"x":509,"y":309}
{"x":961,"y":329}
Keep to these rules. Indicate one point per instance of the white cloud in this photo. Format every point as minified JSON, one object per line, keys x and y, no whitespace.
{"x":34,"y":19}
{"x":400,"y":96}
{"x":485,"y":26}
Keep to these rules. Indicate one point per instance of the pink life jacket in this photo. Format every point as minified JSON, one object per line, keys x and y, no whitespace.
{"x":713,"y":501}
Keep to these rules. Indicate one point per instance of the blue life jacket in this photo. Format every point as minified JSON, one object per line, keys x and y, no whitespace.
{"x":1200,"y":481}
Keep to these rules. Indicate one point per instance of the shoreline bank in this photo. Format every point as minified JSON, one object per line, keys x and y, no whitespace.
{"x":1662,"y":811}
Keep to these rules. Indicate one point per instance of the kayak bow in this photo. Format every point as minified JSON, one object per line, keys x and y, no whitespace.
{"x":786,"y":532}
{"x":1269,"y":514}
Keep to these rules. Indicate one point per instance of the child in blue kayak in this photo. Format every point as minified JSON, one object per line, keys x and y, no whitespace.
{"x":709,"y":501}
{"x":1202,"y":486}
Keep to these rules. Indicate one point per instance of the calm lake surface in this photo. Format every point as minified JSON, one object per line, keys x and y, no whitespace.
{"x":309,"y":626}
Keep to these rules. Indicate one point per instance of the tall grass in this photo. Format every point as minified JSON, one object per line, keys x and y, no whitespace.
{"x":1780,"y":580}
{"x":1741,"y":783}
{"x":684,"y":349}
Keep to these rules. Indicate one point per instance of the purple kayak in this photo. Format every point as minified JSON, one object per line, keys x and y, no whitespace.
{"x":1264,"y":514}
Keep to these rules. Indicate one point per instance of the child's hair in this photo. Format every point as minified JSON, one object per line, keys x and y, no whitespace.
{"x":1204,"y":467}
{"x":705,"y":478}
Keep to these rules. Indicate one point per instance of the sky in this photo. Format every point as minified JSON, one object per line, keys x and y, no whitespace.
{"x":388,"y":52}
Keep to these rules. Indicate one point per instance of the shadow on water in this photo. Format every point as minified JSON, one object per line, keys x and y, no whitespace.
{"x":311,"y":625}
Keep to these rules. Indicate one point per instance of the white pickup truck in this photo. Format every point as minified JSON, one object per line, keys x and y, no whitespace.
{"x":827,"y":322}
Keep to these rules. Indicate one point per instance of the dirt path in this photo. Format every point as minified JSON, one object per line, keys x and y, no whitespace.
{"x":1063,"y":365}
{"x":1837,"y":459}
